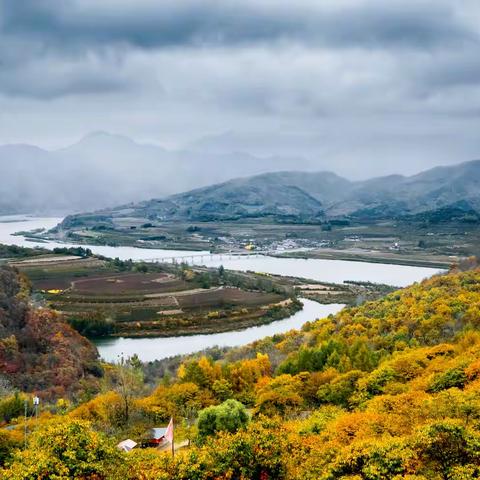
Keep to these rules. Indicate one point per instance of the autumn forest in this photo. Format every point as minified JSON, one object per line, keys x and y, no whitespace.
{"x":389,"y":389}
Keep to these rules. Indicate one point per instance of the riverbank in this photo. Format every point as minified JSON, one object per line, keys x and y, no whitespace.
{"x":393,"y":257}
{"x":209,"y":324}
{"x":151,"y":349}
{"x":411,"y":260}
{"x":105,"y":297}
{"x":412,"y":243}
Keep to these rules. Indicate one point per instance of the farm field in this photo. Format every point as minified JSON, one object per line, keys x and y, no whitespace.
{"x":49,"y":272}
{"x":103,"y":297}
{"x":128,"y":283}
{"x":99,"y":297}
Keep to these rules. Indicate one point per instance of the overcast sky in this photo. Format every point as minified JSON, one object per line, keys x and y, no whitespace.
{"x":360,"y":86}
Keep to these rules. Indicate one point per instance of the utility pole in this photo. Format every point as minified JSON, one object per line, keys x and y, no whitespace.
{"x":25,"y":424}
{"x":36,"y":404}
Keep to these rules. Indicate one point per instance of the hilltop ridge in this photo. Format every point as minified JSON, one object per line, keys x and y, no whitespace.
{"x":313,"y":196}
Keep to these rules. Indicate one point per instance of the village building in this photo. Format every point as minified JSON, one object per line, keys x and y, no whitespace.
{"x":156,"y":437}
{"x":127,"y":445}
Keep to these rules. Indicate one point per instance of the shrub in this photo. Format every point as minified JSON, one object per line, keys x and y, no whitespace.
{"x":455,"y":377}
{"x":230,"y":416}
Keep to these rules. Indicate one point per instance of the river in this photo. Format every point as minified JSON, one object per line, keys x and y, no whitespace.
{"x":333,"y":271}
{"x":149,"y":349}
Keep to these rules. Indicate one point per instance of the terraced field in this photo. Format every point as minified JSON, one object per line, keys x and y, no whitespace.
{"x":99,"y":299}
{"x":128,"y":283}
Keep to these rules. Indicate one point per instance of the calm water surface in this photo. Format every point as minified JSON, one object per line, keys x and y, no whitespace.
{"x":334,"y":271}
{"x":149,"y":349}
{"x":12,"y":224}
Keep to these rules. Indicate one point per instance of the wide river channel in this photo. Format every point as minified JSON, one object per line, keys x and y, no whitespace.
{"x":148,"y":349}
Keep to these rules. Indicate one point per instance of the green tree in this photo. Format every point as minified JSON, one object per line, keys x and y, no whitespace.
{"x":222,"y":389}
{"x":229,"y":416}
{"x":363,"y":359}
{"x":11,"y":407}
{"x":340,"y":389}
{"x":280,"y":396}
{"x":454,"y":377}
{"x":446,"y":445}
{"x":9,"y":442}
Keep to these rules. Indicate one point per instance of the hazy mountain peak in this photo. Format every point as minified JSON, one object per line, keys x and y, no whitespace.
{"x":214,"y":143}
{"x":19,"y":148}
{"x":101,"y":138}
{"x":313,"y":196}
{"x":105,"y":169}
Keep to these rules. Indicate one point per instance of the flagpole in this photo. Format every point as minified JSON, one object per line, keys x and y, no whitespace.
{"x":173,"y":439}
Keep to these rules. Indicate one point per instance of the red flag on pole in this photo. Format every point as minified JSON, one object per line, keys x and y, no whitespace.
{"x":169,"y":432}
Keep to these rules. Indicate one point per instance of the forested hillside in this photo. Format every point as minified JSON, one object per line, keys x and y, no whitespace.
{"x":387,"y":390}
{"x":38,"y":350}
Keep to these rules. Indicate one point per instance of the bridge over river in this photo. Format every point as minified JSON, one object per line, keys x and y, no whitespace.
{"x":199,"y":258}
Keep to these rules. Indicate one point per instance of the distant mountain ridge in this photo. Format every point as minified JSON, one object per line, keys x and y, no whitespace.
{"x":453,"y":192}
{"x":429,"y":190}
{"x":87,"y":175}
{"x":103,"y":170}
{"x":238,"y":198}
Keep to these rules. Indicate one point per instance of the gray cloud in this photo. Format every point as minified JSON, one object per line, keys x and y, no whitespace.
{"x":151,"y":24}
{"x":357,"y":75}
{"x":52,"y":78}
{"x":83,"y":45}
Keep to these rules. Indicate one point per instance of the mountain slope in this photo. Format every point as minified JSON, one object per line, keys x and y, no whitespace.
{"x":104,"y":170}
{"x":386,"y":390}
{"x":427,"y":191}
{"x":239,"y":198}
{"x":39,"y":351}
{"x":448,"y":192}
{"x":254,"y":197}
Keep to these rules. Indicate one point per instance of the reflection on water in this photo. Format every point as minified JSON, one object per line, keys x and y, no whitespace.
{"x":332,"y":271}
{"x":149,"y":349}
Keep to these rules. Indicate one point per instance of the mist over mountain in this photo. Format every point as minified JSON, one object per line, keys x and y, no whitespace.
{"x":103,"y":170}
{"x":399,"y":195}
{"x":353,"y":150}
{"x":442,"y":193}
{"x":274,"y":195}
